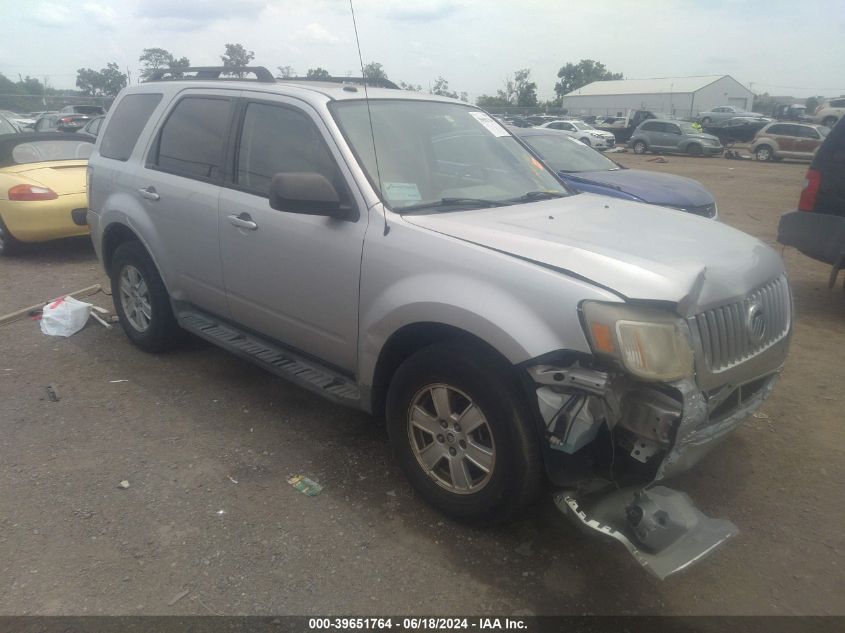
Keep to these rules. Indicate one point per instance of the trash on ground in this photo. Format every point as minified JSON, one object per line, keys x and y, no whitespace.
{"x":305,"y":486}
{"x":64,"y":317}
{"x":615,"y":150}
{"x":390,"y":493}
{"x":178,"y":597}
{"x":120,"y":380}
{"x":232,"y":479}
{"x":52,"y":393}
{"x":760,"y":415}
{"x":123,"y":485}
{"x":34,"y":310}
{"x":657,"y":159}
{"x":100,"y":319}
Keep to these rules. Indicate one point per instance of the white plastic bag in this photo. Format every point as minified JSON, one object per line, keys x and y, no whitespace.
{"x":64,"y":316}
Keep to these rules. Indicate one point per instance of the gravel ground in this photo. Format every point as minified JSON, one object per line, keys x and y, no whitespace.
{"x":210,"y":525}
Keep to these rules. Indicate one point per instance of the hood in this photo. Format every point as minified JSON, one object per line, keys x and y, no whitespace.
{"x":649,"y":186}
{"x":637,"y":250}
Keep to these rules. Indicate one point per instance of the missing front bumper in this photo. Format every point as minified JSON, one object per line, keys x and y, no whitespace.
{"x":660,"y":527}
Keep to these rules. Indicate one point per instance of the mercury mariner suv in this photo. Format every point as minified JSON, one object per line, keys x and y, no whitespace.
{"x":404,"y":254}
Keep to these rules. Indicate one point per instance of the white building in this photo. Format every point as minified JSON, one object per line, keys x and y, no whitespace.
{"x":681,"y":96}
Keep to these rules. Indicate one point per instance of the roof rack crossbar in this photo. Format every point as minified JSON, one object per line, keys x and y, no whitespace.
{"x":211,"y":72}
{"x":374,"y":82}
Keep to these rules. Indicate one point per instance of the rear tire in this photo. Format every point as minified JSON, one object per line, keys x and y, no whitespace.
{"x":141,"y":300}
{"x":639,"y":147}
{"x":8,"y":244}
{"x":764,"y":153}
{"x":461,"y":433}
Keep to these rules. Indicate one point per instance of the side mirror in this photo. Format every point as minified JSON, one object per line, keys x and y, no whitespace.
{"x":308,"y":193}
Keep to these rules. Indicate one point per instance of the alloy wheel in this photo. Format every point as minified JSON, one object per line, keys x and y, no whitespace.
{"x":135,"y":298}
{"x":451,"y":439}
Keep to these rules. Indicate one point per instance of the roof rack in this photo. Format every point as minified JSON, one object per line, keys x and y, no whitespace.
{"x":211,"y":72}
{"x":373,"y":82}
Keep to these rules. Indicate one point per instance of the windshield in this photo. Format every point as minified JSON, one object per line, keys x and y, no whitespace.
{"x":580,"y":125}
{"x":432,"y":153}
{"x":563,"y":153}
{"x":39,"y":151}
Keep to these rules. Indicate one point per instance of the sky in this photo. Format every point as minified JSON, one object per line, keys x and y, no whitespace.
{"x":780,"y":47}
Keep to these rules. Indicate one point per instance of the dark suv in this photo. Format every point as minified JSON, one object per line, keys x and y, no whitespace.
{"x":817,"y":229}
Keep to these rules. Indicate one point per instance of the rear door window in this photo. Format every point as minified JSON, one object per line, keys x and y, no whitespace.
{"x":779,"y":130}
{"x":191,"y":142}
{"x":651,"y":127}
{"x":126,"y":123}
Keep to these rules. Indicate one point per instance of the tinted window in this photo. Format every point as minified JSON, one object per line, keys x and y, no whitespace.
{"x":671,"y":128}
{"x":650,"y":126}
{"x":94,"y":126}
{"x":806,"y":132}
{"x":126,"y":124}
{"x":46,"y":123}
{"x":837,"y":103}
{"x":191,"y":141}
{"x":278,"y":139}
{"x":779,"y":129}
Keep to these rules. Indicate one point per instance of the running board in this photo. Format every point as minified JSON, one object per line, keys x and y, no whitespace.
{"x":273,"y":358}
{"x":660,"y":527}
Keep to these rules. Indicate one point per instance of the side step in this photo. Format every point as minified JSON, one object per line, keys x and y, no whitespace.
{"x":273,"y":358}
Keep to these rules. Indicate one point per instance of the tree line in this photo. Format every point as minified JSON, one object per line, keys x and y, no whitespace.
{"x":518,"y":90}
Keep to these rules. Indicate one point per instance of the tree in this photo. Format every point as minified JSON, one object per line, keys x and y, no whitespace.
{"x":157,"y":58}
{"x":113,"y":80}
{"x":318,"y":73}
{"x":574,"y":76}
{"x":525,"y":91}
{"x":404,"y":86}
{"x":286,"y":71}
{"x":108,"y":81}
{"x":374,"y":70}
{"x":236,"y":56}
{"x":441,"y":88}
{"x":89,"y":81}
{"x":488,"y":101}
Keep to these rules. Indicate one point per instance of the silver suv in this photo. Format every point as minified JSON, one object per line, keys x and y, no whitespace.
{"x":404,"y":254}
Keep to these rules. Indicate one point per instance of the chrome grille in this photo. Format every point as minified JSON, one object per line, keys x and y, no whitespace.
{"x":732,"y":333}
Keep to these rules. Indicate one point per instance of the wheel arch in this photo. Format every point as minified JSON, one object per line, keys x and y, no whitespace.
{"x":413,"y":337}
{"x":114,"y":235}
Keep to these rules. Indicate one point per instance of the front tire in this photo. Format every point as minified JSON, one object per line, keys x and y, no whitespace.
{"x":461,"y":433}
{"x":695,"y":150}
{"x":585,"y":141}
{"x":141,"y":300}
{"x":640,"y":147}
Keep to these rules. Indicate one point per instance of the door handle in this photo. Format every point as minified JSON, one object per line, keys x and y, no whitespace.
{"x":149,"y":193}
{"x":243,"y":221}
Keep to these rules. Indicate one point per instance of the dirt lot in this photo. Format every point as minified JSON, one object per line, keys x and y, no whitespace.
{"x":207,"y":441}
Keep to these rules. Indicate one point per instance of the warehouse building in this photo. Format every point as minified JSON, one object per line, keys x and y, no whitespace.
{"x":679,"y":96}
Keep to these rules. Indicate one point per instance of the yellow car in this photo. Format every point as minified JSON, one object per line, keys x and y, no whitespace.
{"x":42,"y":187}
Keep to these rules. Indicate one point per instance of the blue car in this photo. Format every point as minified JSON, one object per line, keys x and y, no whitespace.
{"x":585,"y":169}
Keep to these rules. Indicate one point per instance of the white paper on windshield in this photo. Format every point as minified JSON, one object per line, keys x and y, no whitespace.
{"x":402,"y":191}
{"x":489,"y":123}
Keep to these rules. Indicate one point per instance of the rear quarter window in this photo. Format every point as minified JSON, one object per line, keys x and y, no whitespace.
{"x":126,"y":124}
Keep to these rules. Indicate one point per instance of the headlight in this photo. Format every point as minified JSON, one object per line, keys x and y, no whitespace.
{"x":650,"y":344}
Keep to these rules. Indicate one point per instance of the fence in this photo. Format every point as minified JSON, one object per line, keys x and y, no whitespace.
{"x":38,"y":103}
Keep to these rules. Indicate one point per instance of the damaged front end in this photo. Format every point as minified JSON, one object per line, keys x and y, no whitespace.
{"x":613,"y":433}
